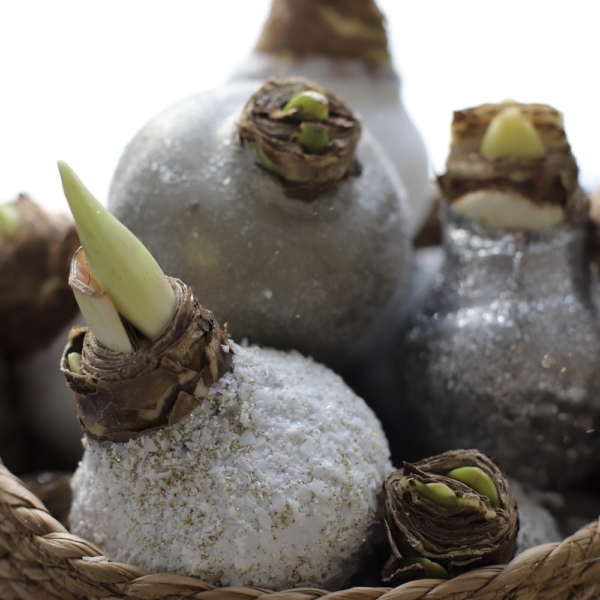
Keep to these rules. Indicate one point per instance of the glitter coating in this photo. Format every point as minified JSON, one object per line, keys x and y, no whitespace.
{"x":273,"y":481}
{"x":503,"y":356}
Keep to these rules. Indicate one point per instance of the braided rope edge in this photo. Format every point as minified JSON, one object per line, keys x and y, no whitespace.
{"x":567,"y":569}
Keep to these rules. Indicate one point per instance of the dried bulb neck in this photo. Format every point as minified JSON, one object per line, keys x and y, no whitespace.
{"x":121,"y":396}
{"x":546,"y":179}
{"x":337,"y":29}
{"x":307,"y":151}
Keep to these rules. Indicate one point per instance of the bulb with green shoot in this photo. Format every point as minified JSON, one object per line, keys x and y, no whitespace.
{"x":446,"y":514}
{"x":241,"y":445}
{"x":344,"y":45}
{"x":510,"y":166}
{"x":277,"y":207}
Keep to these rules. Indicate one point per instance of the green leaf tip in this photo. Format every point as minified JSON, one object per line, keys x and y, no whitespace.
{"x":478,"y":480}
{"x":310,"y":106}
{"x":510,"y":133}
{"x":118,"y":261}
{"x":431,"y":569}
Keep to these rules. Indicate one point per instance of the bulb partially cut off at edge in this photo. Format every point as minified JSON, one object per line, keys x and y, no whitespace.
{"x":97,"y":308}
{"x":119,"y":262}
{"x":36,"y":303}
{"x":340,"y":30}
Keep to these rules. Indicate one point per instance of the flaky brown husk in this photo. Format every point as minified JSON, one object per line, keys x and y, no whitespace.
{"x":35,"y":299}
{"x":459,"y":539}
{"x":548,"y":180}
{"x":299,"y":29}
{"x":272,"y":133}
{"x":122,"y":396}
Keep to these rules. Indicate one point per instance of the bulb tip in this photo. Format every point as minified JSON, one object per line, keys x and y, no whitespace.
{"x":510,"y":133}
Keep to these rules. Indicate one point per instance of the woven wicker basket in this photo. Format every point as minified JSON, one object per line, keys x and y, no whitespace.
{"x":40,"y":560}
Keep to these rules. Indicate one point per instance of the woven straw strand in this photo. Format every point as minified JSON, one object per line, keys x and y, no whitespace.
{"x":40,"y":560}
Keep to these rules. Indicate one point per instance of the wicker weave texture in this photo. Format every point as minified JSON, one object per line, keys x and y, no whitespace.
{"x":40,"y":560}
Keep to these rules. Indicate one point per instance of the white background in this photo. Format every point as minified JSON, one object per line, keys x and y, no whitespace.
{"x":78,"y":78}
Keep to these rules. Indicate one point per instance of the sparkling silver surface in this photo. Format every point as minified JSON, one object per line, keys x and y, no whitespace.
{"x":504,"y":355}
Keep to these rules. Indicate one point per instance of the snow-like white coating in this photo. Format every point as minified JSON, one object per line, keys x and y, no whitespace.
{"x":273,"y":481}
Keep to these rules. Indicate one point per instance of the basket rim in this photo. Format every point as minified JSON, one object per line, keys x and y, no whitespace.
{"x":568,"y":567}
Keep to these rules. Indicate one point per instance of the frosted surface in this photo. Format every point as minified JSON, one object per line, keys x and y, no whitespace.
{"x":310,"y":276}
{"x":376,"y":98}
{"x":273,"y":481}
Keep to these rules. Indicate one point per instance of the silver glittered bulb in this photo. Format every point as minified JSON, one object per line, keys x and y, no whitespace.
{"x":503,"y":356}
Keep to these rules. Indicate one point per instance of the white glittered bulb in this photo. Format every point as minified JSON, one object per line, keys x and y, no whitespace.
{"x":273,"y":481}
